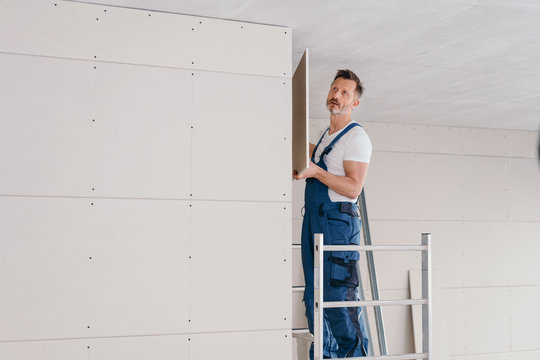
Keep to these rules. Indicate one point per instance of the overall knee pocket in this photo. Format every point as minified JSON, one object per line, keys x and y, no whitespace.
{"x":343,"y":273}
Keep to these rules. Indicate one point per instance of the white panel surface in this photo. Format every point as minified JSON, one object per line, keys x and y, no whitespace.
{"x":479,"y":320}
{"x":41,"y":26}
{"x":45,"y":350}
{"x":143,"y":37}
{"x":45,"y":126}
{"x":436,"y":187}
{"x":523,"y":189}
{"x":139,"y":281}
{"x":297,"y":270}
{"x":230,"y":46}
{"x":241,"y":138}
{"x":263,"y":345}
{"x":451,"y":140}
{"x":525,"y":319}
{"x":299,"y":320}
{"x":93,"y":267}
{"x":139,"y":348}
{"x":240,"y":265}
{"x":44,"y":268}
{"x":140,"y":132}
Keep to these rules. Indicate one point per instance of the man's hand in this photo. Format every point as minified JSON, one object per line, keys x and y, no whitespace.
{"x":311,"y":171}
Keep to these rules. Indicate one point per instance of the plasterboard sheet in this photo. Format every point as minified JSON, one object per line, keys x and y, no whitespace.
{"x":522,"y":248}
{"x":296,"y":231}
{"x":300,"y":111}
{"x":264,"y":345}
{"x":452,"y":140}
{"x":523,"y":189}
{"x":436,"y":187}
{"x":398,"y":324}
{"x":239,"y":266}
{"x":140,"y":135}
{"x":139,"y":271}
{"x":46,"y":120}
{"x":230,"y":46}
{"x":49,"y":28}
{"x":44,"y":268}
{"x":87,"y":31}
{"x":299,"y":320}
{"x":169,"y":347}
{"x":144,"y":37}
{"x":297,"y":271}
{"x":242,"y":137}
{"x":525,"y":320}
{"x":478,"y":320}
{"x":45,"y":350}
{"x":474,"y":253}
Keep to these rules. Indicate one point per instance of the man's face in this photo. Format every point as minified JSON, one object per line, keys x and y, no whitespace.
{"x":341,"y":98}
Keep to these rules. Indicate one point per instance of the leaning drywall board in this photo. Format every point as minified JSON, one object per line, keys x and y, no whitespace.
{"x":300,"y":101}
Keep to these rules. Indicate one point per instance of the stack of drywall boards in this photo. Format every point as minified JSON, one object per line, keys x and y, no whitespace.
{"x":145,"y":187}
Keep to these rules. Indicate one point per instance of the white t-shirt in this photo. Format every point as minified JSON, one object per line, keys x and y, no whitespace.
{"x":354,"y":146}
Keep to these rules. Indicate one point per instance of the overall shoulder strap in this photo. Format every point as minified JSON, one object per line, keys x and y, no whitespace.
{"x":316,"y":147}
{"x":346,"y":130}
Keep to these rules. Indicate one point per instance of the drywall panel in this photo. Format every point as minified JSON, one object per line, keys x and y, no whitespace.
{"x":297,"y":271}
{"x":139,"y":267}
{"x":93,"y":267}
{"x":264,"y":345}
{"x":523,"y":247}
{"x":299,"y":320}
{"x":523,"y":189}
{"x":140,"y":135}
{"x":45,"y":350}
{"x":451,"y":140}
{"x":172,"y":347}
{"x":241,"y":138}
{"x":525,"y":320}
{"x":479,"y":320}
{"x":41,"y":26}
{"x":490,"y":356}
{"x":296,"y":231}
{"x":144,"y":37}
{"x":44,"y":268}
{"x":300,"y":110}
{"x":436,"y":187}
{"x":135,"y":36}
{"x":44,"y":138}
{"x":240,"y":264}
{"x":247,"y":48}
{"x":398,"y":324}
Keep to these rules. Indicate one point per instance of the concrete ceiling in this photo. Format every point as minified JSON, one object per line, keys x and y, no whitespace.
{"x":473,"y":63}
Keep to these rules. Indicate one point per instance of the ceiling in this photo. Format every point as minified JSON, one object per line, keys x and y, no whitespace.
{"x":473,"y":63}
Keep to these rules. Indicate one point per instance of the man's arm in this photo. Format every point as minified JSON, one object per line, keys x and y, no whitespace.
{"x":349,"y":185}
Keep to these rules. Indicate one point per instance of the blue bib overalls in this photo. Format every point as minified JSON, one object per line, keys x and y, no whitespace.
{"x":343,"y":329}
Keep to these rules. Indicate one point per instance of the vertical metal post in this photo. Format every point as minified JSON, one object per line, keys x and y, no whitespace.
{"x":318,"y":310}
{"x":426,"y":294}
{"x":372,"y":275}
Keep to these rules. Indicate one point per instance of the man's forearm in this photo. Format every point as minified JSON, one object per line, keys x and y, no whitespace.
{"x":343,"y":185}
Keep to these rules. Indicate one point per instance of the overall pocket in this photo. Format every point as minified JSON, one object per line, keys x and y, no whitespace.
{"x":339,"y":227}
{"x":343,"y":273}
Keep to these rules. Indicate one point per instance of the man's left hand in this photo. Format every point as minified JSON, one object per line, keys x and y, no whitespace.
{"x":311,"y":171}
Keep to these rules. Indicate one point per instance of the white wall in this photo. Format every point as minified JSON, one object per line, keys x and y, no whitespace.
{"x":132,"y":223}
{"x":477,"y":192}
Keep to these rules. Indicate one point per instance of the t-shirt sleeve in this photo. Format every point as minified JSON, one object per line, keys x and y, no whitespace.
{"x":358,"y":147}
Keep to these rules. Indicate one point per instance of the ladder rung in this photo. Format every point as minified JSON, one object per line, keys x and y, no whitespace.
{"x":339,"y":304}
{"x":374,"y":247}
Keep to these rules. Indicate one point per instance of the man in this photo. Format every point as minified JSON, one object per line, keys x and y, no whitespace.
{"x":334,"y":180}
